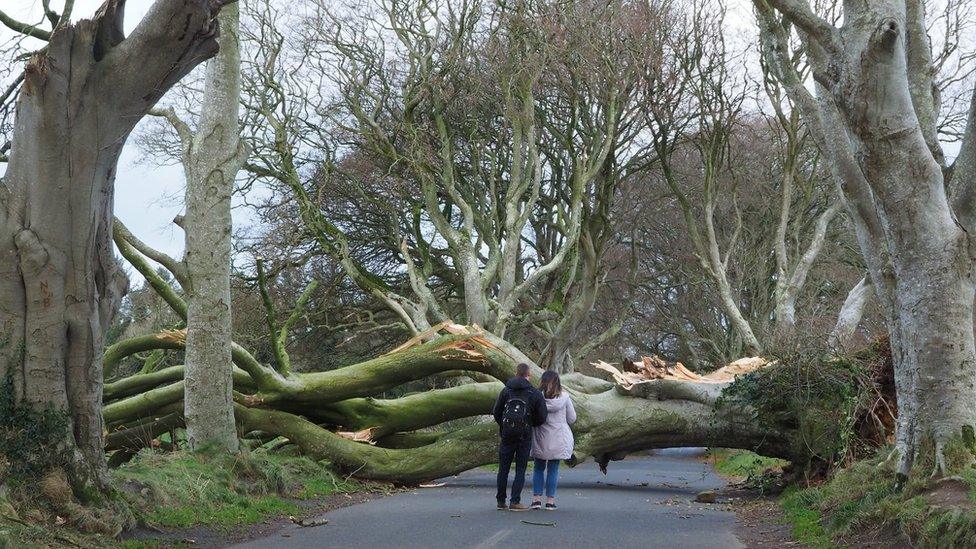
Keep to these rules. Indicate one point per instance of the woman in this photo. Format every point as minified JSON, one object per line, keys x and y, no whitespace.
{"x":552,"y":441}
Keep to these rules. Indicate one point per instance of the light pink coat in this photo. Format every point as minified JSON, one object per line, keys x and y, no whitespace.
{"x":553,"y":439}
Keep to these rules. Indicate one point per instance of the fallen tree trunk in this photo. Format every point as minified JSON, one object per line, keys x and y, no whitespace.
{"x":336,"y":416}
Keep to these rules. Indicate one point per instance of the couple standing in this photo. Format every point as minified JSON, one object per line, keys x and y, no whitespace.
{"x":532,"y":423}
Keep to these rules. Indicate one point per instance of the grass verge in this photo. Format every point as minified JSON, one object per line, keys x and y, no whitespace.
{"x":742,"y":463}
{"x":182,"y":490}
{"x":861,"y":505}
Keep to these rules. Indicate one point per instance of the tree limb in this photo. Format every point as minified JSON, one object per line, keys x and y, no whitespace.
{"x":32,"y":31}
{"x":174,"y":266}
{"x":800,"y":14}
{"x":167,"y":292}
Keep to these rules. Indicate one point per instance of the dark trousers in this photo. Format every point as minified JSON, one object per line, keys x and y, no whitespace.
{"x":507,"y":451}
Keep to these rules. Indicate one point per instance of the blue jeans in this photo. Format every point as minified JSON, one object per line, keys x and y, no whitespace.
{"x":546,"y":472}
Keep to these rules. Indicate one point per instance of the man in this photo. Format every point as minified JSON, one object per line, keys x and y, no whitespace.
{"x":519,"y":408}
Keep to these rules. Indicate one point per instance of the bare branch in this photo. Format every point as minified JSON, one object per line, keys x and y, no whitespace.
{"x":182,"y":128}
{"x":174,"y":266}
{"x":800,"y":14}
{"x":161,"y":287}
{"x":33,"y":31}
{"x":282,"y":360}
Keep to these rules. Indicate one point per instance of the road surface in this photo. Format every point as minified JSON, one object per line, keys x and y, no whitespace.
{"x":642,"y":502}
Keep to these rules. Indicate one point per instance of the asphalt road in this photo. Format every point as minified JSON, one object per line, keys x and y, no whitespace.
{"x":641,"y":502}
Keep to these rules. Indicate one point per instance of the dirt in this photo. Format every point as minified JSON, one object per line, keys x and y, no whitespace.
{"x":883,"y":538}
{"x":759,"y":521}
{"x":221,"y":536}
{"x":950,"y":492}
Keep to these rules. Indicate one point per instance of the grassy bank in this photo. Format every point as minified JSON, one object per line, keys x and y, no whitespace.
{"x":742,"y":463}
{"x":861,"y":505}
{"x":181,"y":490}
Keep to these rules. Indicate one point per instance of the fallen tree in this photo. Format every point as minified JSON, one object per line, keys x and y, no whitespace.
{"x":363,"y":419}
{"x":335,"y":415}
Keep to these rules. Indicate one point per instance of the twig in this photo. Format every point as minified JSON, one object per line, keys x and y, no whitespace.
{"x":553,"y":524}
{"x":349,"y":476}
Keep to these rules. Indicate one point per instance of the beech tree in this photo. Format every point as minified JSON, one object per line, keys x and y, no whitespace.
{"x":212,"y":153}
{"x":345,"y":415}
{"x":697,"y":115}
{"x":875,"y":113}
{"x":60,"y":284}
{"x":341,"y":415}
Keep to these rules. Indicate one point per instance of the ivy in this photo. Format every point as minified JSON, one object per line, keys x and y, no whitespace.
{"x":818,"y":399}
{"x":31,"y":440}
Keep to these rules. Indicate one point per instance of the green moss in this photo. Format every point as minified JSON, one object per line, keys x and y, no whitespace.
{"x":743,"y":463}
{"x":969,"y":438}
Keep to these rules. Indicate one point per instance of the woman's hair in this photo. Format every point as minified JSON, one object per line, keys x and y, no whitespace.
{"x":550,"y":385}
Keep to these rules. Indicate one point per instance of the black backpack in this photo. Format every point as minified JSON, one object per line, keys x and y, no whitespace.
{"x":515,"y":420}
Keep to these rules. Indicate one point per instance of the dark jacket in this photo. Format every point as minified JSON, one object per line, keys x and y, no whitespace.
{"x":521,"y":388}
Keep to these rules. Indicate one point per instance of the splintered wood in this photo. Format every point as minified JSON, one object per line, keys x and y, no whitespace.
{"x":653,"y":367}
{"x":431,"y":333}
{"x":466,"y":346}
{"x":366,"y":435}
{"x":176,"y":336}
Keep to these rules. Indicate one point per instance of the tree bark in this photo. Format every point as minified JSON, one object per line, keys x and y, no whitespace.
{"x":215,"y":154}
{"x":790,"y":281}
{"x":874,"y":77}
{"x":60,"y":285}
{"x":850,"y":315}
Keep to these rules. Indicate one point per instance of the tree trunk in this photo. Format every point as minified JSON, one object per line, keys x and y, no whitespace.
{"x":850,"y":315}
{"x":60,"y":285}
{"x":791,"y":279}
{"x":215,"y":155}
{"x":934,"y":291}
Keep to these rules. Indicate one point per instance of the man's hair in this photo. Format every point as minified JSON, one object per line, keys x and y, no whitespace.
{"x":522,"y":370}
